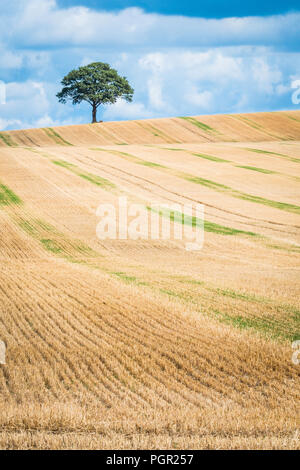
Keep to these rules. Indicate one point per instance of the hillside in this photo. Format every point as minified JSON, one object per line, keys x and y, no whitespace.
{"x":257,"y":127}
{"x":139,"y":343}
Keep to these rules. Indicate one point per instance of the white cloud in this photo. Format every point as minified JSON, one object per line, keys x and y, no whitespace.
{"x":8,"y":123}
{"x":25,"y":103}
{"x":155,"y":92}
{"x":47,"y":121}
{"x":124,"y":110}
{"x":10,"y":60}
{"x":42,"y":22}
{"x":30,"y":92}
{"x":157,"y":65}
{"x":214,"y":81}
{"x":203,"y":100}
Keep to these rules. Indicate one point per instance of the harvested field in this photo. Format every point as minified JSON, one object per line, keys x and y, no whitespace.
{"x":140,"y":344}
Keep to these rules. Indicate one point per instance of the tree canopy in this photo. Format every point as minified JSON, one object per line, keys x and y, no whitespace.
{"x":96,"y":83}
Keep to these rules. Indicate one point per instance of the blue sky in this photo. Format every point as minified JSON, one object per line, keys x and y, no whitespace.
{"x":182,"y":58}
{"x":196,"y":8}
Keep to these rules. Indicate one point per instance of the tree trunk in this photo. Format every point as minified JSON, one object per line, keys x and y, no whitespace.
{"x":94,"y":114}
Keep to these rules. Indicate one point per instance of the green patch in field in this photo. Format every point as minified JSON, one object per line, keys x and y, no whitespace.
{"x":222,"y":230}
{"x":158,"y":133}
{"x":251,"y":123}
{"x":128,"y":279}
{"x":208,"y":183}
{"x":238,"y":295}
{"x":199,"y":124}
{"x":284,"y":206}
{"x":97,"y":180}
{"x":94,"y":179}
{"x":266,"y":152}
{"x":7,"y":196}
{"x":130,"y":157}
{"x":258,"y":127}
{"x":51,"y":245}
{"x":285,"y":247}
{"x":6,"y":138}
{"x":63,"y":163}
{"x":55,"y":136}
{"x":170,"y":293}
{"x":151,"y":164}
{"x":125,"y":277}
{"x":36,"y":227}
{"x":211,"y":157}
{"x":244,"y":196}
{"x":80,"y":247}
{"x":254,"y":168}
{"x":179,"y":217}
{"x":53,"y":240}
{"x":117,"y":152}
{"x":192,"y":281}
{"x":292,"y":118}
{"x":286,"y":329}
{"x":271,"y":329}
{"x":27,"y":227}
{"x":223,"y":188}
{"x":154,"y":131}
{"x":178,"y":295}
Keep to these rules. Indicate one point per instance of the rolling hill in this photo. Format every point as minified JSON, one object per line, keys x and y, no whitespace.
{"x":129,"y":344}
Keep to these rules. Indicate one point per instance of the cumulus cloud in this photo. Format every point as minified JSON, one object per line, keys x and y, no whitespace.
{"x":41,"y":22}
{"x":8,"y":123}
{"x":123,"y":110}
{"x":47,"y":121}
{"x":215,"y":81}
{"x":203,"y":100}
{"x":25,"y":103}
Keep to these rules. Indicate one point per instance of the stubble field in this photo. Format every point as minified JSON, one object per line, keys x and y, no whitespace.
{"x":129,"y":344}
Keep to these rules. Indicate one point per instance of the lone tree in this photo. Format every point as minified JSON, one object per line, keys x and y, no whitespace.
{"x":96,"y":83}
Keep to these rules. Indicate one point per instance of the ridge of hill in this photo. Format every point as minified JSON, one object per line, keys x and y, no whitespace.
{"x":255,"y":127}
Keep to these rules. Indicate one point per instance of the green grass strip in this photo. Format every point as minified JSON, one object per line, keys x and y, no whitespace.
{"x":256,"y":126}
{"x":244,"y":196}
{"x":292,"y":118}
{"x":283,"y":206}
{"x":64,"y":164}
{"x":54,"y":241}
{"x":266,"y":152}
{"x":6,"y":138}
{"x":97,"y":180}
{"x":270,"y":329}
{"x":192,"y":221}
{"x":211,"y":157}
{"x":51,"y":245}
{"x":130,"y":157}
{"x":199,"y":124}
{"x":260,"y":170}
{"x":94,"y":179}
{"x":222,"y":160}
{"x":55,"y":136}
{"x":213,"y":185}
{"x":265,"y":326}
{"x":155,"y":131}
{"x":124,"y":277}
{"x":8,"y":197}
